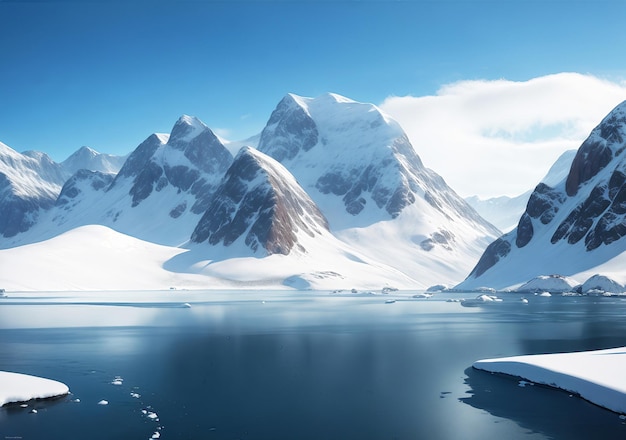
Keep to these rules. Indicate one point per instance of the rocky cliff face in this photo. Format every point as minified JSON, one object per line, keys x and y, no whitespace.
{"x":191,"y":159}
{"x":260,"y":203}
{"x":583,"y":212}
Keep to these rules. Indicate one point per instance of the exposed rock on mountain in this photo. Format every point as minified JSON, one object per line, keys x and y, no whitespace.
{"x":565,"y":223}
{"x":260,"y":201}
{"x":191,"y":159}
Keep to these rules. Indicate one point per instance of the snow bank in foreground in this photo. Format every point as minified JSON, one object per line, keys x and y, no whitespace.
{"x":16,"y":387}
{"x":596,"y":376}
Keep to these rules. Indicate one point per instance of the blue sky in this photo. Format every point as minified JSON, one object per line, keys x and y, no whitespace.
{"x":107,"y":74}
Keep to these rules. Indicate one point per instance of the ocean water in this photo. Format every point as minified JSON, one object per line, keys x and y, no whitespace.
{"x":298,"y":365}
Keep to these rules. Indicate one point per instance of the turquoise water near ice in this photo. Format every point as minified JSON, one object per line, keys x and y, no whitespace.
{"x":298,"y":365}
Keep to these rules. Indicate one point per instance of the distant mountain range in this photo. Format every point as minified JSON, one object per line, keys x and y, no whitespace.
{"x":333,"y":196}
{"x":504,"y":212}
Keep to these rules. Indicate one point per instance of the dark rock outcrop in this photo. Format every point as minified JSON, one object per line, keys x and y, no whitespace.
{"x":260,"y":201}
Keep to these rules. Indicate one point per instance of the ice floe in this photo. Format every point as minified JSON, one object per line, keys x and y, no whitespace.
{"x":597,"y":376}
{"x":16,"y":387}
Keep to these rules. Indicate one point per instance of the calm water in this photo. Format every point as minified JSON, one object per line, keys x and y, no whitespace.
{"x":298,"y":366}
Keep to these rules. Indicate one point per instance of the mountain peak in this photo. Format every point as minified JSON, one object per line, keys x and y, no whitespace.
{"x":186,"y":128}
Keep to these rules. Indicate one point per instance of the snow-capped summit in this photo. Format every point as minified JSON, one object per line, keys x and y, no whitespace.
{"x":260,"y":203}
{"x":352,"y":159}
{"x":185,"y":129}
{"x":576,"y":224}
{"x":360,"y":168}
{"x":89,"y":159}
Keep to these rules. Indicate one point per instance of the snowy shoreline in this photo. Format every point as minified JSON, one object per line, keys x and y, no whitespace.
{"x":596,"y":376}
{"x":17,"y":387}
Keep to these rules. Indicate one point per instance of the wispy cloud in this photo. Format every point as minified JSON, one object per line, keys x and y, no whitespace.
{"x":500,"y":137}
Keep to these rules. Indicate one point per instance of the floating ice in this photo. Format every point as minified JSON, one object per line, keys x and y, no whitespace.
{"x":135,"y":395}
{"x":117,"y":381}
{"x":16,"y":387}
{"x":597,"y":376}
{"x":423,"y":295}
{"x":480,"y":299}
{"x":103,"y":402}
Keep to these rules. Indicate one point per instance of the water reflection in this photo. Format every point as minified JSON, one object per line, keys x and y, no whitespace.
{"x":278,"y":365}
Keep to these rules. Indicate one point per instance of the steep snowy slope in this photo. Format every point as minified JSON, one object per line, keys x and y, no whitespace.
{"x":570,"y":227}
{"x":359,"y":167}
{"x":504,"y":212}
{"x":29,"y":185}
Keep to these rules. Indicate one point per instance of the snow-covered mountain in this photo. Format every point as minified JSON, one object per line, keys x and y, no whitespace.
{"x":159,"y":194}
{"x":86,"y":158}
{"x":359,"y":167}
{"x":504,"y":212}
{"x":572,"y":227}
{"x":334,"y":197}
{"x":30,"y":183}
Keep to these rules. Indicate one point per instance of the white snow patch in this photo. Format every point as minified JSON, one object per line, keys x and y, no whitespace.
{"x":596,"y":376}
{"x":16,"y":387}
{"x":602,"y":283}
{"x":549,"y":283}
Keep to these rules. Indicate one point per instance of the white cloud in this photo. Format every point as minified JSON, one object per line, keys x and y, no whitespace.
{"x":491,"y":138}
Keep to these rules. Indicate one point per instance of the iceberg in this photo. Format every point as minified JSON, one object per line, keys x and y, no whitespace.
{"x":596,"y":376}
{"x":16,"y":387}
